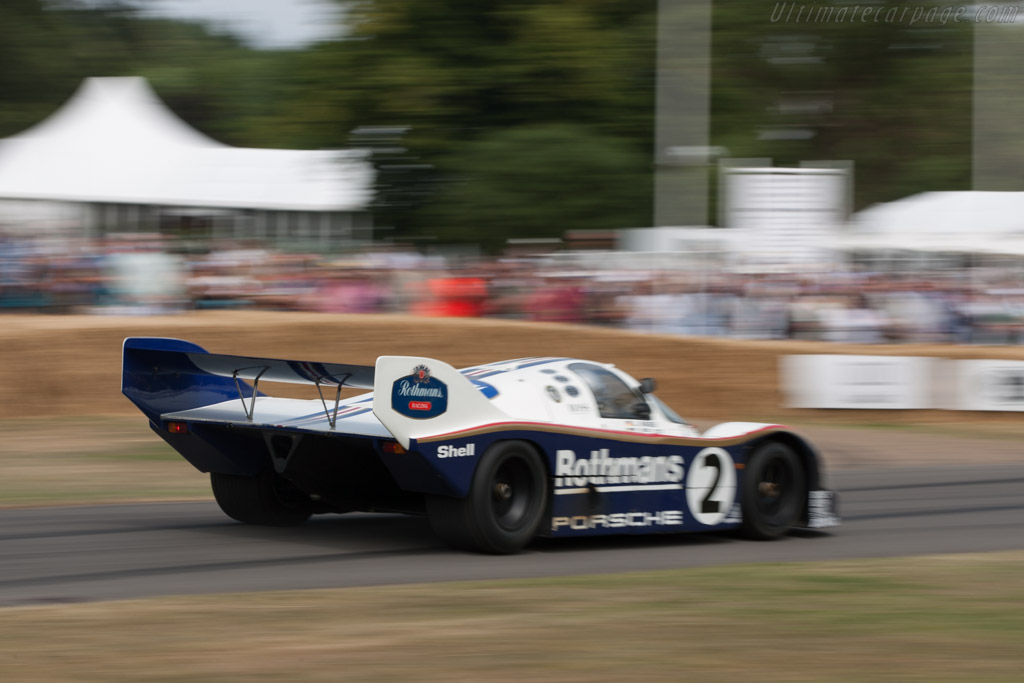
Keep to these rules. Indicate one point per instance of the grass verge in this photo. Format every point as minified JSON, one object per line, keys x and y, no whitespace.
{"x":91,"y":460}
{"x":949,"y":618}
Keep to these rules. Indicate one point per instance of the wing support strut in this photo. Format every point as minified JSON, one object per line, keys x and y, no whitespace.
{"x":251,"y":408}
{"x":332,"y":416}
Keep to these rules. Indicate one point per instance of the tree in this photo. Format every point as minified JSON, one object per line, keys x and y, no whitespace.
{"x":539,"y":181}
{"x":211,"y":79}
{"x":524,"y":116}
{"x":891,"y":95}
{"x":476,"y":87}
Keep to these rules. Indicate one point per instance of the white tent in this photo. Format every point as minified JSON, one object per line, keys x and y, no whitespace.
{"x":115,"y":142}
{"x":960,"y":222}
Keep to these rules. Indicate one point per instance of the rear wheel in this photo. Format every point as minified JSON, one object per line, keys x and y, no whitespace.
{"x":266,"y":499}
{"x":774,"y":491}
{"x":505,"y":505}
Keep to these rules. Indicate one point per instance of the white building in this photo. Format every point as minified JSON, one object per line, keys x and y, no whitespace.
{"x":114,"y":159}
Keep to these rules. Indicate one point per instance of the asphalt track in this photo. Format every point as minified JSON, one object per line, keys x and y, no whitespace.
{"x":72,"y":554}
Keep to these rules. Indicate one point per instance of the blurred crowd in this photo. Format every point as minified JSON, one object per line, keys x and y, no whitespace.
{"x":144,"y":275}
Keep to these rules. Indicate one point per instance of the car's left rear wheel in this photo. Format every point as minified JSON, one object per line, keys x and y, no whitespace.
{"x":266,"y":499}
{"x":506,"y":502}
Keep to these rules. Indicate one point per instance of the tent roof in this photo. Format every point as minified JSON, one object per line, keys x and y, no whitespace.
{"x":115,"y":141}
{"x":967,"y":222}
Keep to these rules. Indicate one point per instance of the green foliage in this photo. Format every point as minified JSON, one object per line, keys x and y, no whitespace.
{"x":498,"y":93}
{"x":893,"y":96}
{"x":46,"y":50}
{"x":540,"y":181}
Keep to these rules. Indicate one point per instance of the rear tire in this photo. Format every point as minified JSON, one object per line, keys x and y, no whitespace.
{"x":774,"y":491}
{"x":266,"y":499}
{"x":507,"y":501}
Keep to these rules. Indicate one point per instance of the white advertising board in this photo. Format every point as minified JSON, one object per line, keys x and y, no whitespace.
{"x":788,"y":215}
{"x":857,"y":382}
{"x":985,"y":385}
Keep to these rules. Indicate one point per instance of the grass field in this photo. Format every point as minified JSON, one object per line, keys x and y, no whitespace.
{"x":91,"y":460}
{"x":950,"y":618}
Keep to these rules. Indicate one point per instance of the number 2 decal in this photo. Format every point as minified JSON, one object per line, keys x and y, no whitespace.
{"x":711,"y":486}
{"x":708,"y":506}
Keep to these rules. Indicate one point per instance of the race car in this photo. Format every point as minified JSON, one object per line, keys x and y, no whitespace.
{"x":494,"y":454}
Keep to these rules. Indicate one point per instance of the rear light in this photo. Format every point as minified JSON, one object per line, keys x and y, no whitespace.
{"x":392,"y":447}
{"x":177,"y":427}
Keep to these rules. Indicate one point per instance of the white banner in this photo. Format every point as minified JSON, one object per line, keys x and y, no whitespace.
{"x":857,"y":382}
{"x":986,"y":385}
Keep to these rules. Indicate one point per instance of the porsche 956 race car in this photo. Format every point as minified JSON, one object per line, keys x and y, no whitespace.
{"x":493,"y":455}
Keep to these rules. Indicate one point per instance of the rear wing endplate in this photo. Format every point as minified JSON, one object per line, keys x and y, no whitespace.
{"x":417,"y":397}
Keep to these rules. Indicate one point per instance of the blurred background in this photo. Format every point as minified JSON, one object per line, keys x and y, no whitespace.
{"x":828,"y":170}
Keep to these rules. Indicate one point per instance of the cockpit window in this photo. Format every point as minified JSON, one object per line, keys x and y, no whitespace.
{"x":670,"y":415}
{"x":614,"y":397}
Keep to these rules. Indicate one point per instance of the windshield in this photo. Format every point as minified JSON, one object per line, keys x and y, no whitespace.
{"x":614,"y":397}
{"x":670,"y":415}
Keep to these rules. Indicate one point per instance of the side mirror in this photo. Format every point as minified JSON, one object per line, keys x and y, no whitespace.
{"x":642,"y":411}
{"x":648,"y":385}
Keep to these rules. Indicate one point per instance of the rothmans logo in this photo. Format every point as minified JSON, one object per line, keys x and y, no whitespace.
{"x":608,"y":473}
{"x":419,"y":395}
{"x":414,"y":388}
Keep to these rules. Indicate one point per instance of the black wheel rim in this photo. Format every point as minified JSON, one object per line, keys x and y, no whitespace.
{"x":773,"y":487}
{"x":512,"y":494}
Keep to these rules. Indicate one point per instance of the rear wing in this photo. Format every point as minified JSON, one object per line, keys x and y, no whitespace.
{"x":414,"y":397}
{"x":417,"y":397}
{"x":167,"y":375}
